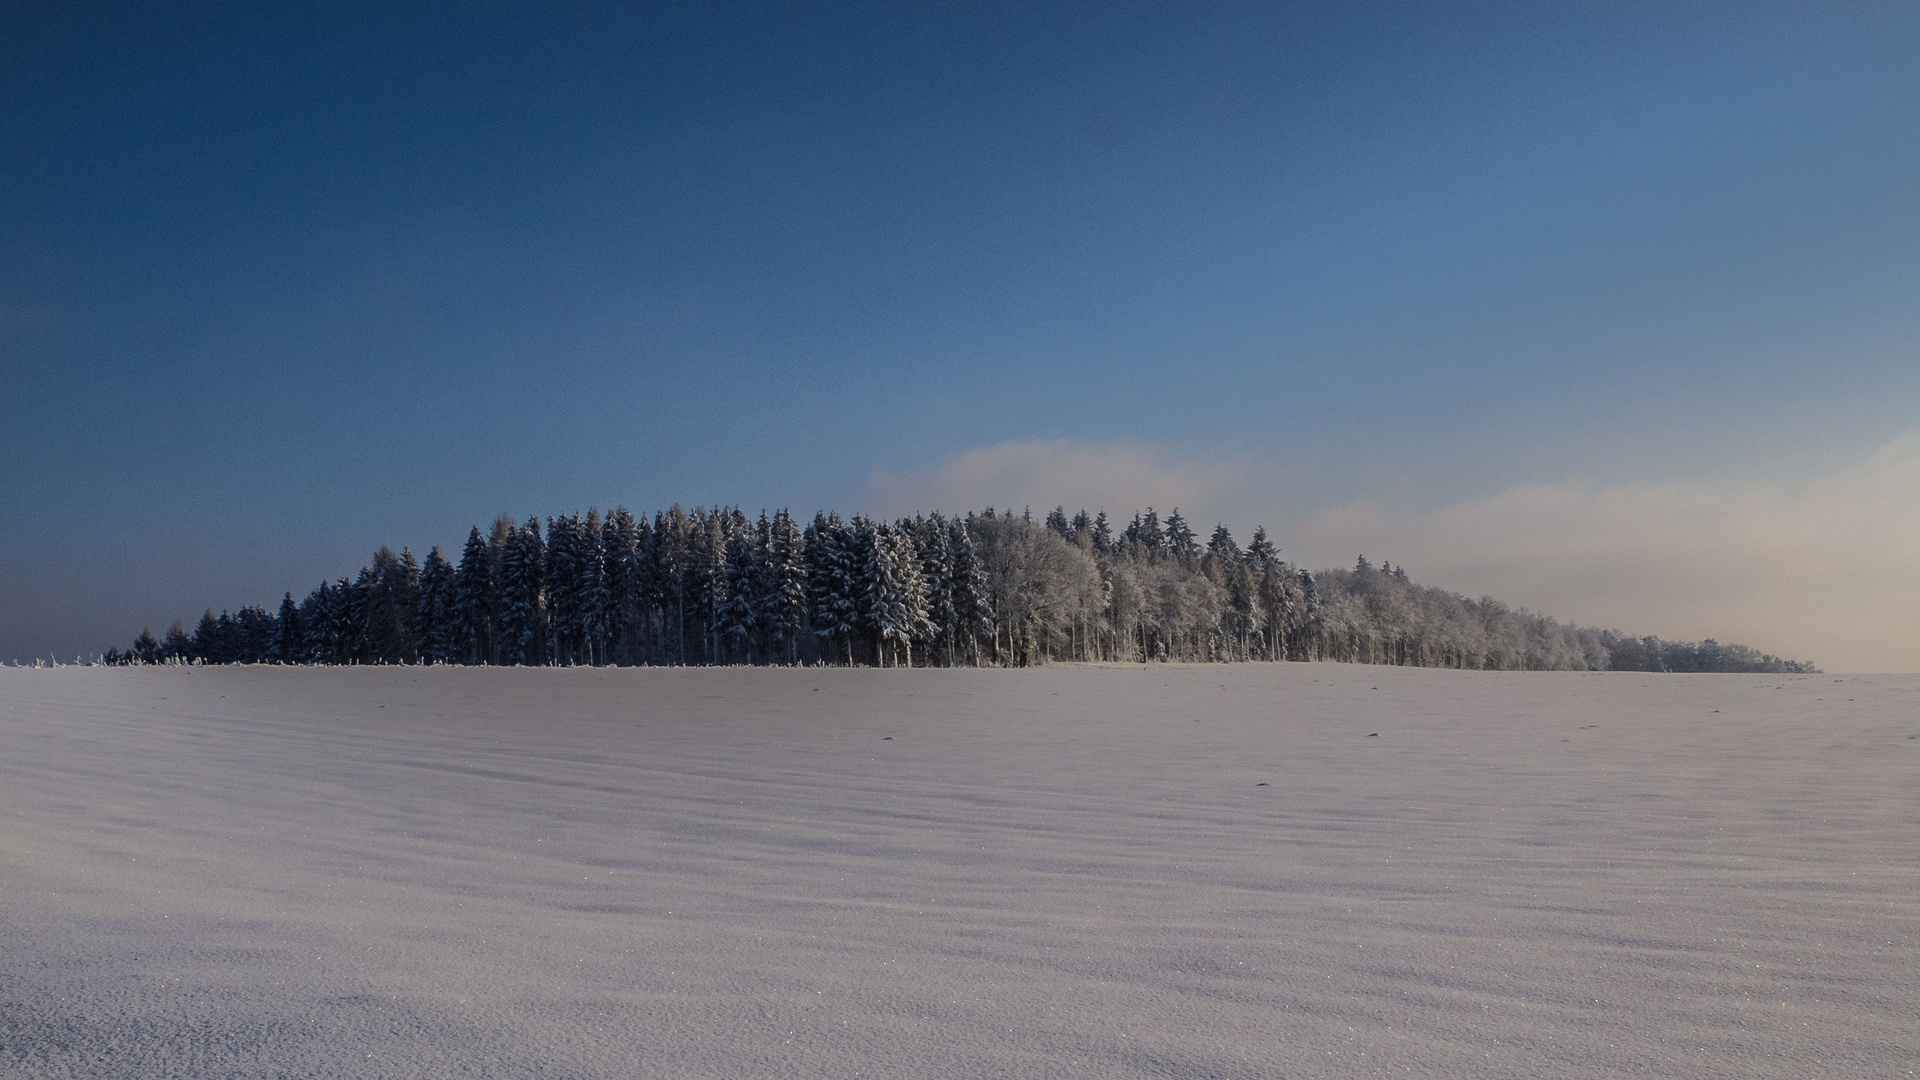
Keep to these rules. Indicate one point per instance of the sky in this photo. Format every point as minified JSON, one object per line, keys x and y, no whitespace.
{"x":1608,"y":310}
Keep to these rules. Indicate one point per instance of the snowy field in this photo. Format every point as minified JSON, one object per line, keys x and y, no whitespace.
{"x":1124,"y":872}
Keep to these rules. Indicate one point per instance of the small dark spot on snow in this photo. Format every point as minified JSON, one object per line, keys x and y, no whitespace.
{"x":1262,"y":783}
{"x":886,"y":738}
{"x":1373,"y":734}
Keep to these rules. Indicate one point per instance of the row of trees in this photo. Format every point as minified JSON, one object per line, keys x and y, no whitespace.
{"x":713,"y":586}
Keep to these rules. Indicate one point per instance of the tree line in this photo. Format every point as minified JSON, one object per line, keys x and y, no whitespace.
{"x":713,"y":586}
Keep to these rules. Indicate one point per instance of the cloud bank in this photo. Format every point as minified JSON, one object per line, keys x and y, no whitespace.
{"x":1827,"y":570}
{"x":1119,"y":477}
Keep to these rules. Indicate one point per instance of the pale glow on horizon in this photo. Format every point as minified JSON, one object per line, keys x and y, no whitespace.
{"x":1826,"y":570}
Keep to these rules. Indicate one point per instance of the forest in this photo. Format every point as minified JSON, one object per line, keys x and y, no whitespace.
{"x":713,"y":586}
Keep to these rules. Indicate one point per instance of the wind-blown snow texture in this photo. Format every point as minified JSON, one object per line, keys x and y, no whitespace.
{"x":730,"y":873}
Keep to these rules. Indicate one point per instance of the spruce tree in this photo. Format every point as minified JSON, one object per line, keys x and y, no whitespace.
{"x":620,"y":582}
{"x":1080,"y":530}
{"x":522,"y":583}
{"x":739,"y":616}
{"x":205,"y":645}
{"x":936,"y":570}
{"x":433,"y":621}
{"x":287,"y":632}
{"x":146,"y":649}
{"x":564,"y":594}
{"x":1180,"y":541}
{"x":473,"y":592}
{"x":832,"y":582}
{"x":972,"y":605}
{"x":178,"y":647}
{"x":673,"y":549}
{"x":783,"y":590}
{"x":1057,"y":521}
{"x":596,"y":597}
{"x":895,"y":594}
{"x":1102,"y":534}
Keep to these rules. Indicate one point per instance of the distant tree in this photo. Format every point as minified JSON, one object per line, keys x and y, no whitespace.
{"x":473,"y":593}
{"x":597,"y":605}
{"x":207,"y":646}
{"x":177,"y":647}
{"x":783,"y":588}
{"x":895,"y":594}
{"x":741,"y":602}
{"x":973,"y":606}
{"x":434,"y":615}
{"x":387,"y":594}
{"x":929,"y":537}
{"x":564,"y":592}
{"x":622,"y":583}
{"x":287,"y":633}
{"x":833,"y":583}
{"x":1057,"y":521}
{"x":522,"y":589}
{"x":711,"y":586}
{"x":1180,"y":540}
{"x":1102,"y":534}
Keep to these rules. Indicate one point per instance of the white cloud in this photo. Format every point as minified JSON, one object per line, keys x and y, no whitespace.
{"x":1119,"y":477}
{"x":1827,"y":570}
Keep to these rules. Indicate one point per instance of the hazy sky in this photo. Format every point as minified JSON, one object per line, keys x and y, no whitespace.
{"x":1613,"y":310}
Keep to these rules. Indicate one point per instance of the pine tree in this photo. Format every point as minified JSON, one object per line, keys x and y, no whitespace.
{"x":832,"y":581}
{"x":858,"y":546}
{"x":739,"y":616}
{"x":563,"y":592}
{"x":287,"y":633}
{"x":1180,"y":541}
{"x":387,"y":592}
{"x":646,"y":596}
{"x":433,"y":621}
{"x":1081,"y":529}
{"x":1057,"y":521}
{"x":972,"y":606}
{"x":473,"y":592}
{"x":1311,"y":617}
{"x":177,"y":647}
{"x":895,"y":595}
{"x":709,"y":580}
{"x":316,"y":625}
{"x":596,"y":597}
{"x":784,"y":587}
{"x":146,"y":650}
{"x":620,"y":580}
{"x":673,"y":547}
{"x":936,"y":570}
{"x":201,"y":646}
{"x":1144,"y":537}
{"x":522,"y":588}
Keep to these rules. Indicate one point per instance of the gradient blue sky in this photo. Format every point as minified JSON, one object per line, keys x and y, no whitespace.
{"x":279,"y":283}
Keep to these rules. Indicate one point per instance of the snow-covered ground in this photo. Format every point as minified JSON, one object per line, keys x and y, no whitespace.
{"x":1110,"y":872}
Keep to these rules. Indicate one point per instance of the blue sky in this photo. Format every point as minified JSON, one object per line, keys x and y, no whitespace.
{"x":282,"y":283}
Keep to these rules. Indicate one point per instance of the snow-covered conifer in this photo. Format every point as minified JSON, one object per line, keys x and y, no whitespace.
{"x":783,"y":590}
{"x":1180,"y":541}
{"x":473,"y":593}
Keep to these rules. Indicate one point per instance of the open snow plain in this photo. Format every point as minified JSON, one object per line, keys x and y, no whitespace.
{"x":1111,"y":872}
